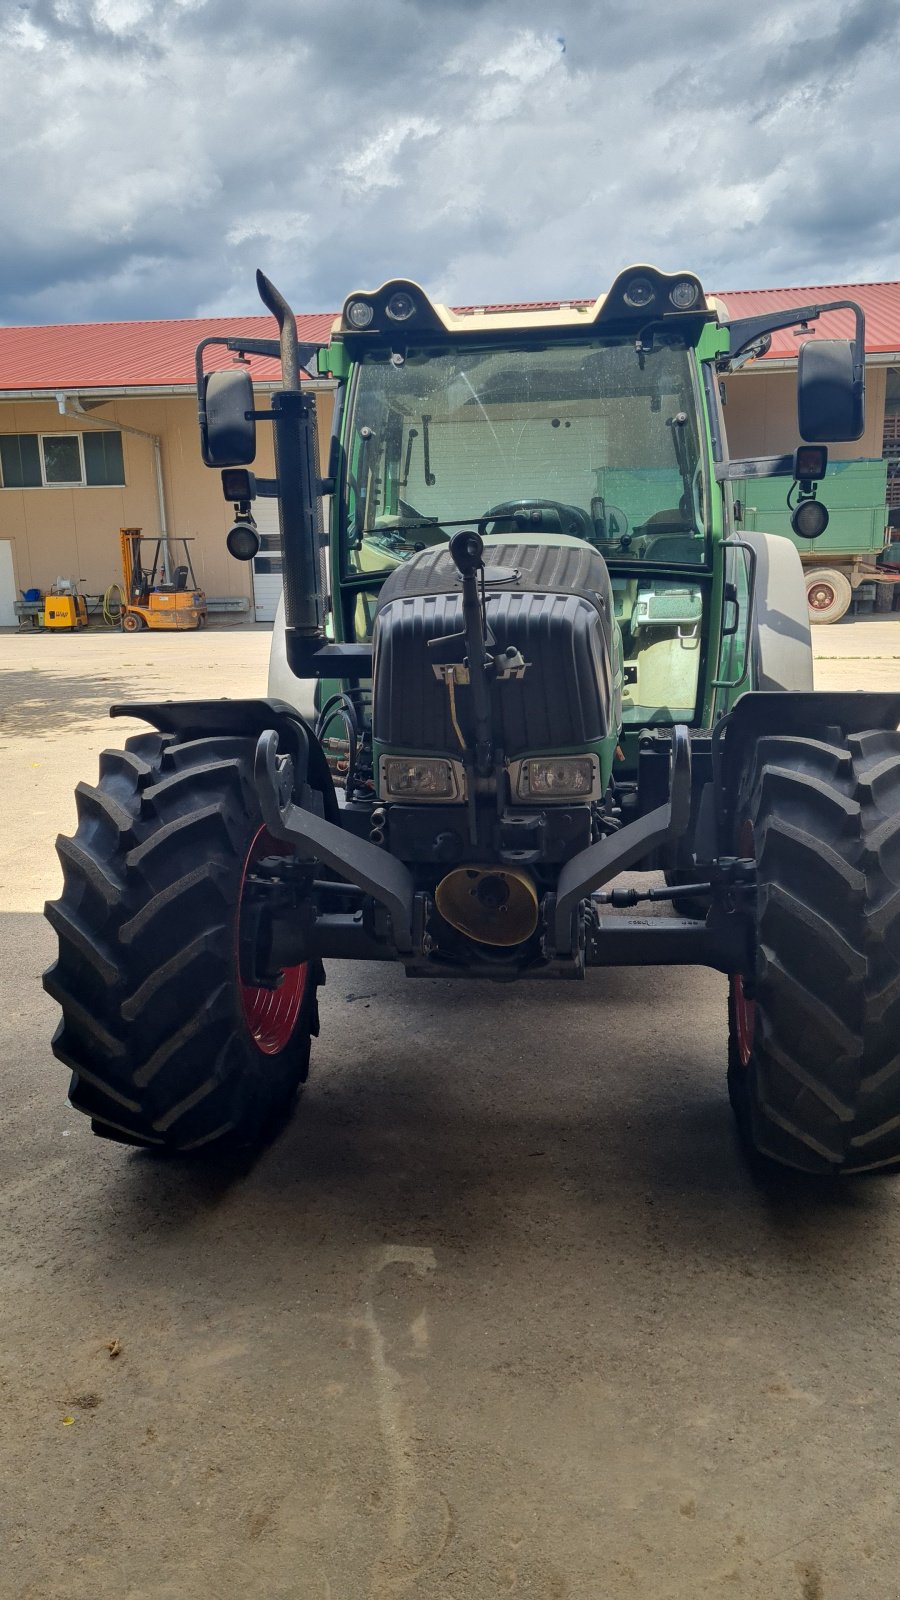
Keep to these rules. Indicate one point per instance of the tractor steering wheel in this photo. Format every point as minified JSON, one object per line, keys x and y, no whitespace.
{"x":527,"y":515}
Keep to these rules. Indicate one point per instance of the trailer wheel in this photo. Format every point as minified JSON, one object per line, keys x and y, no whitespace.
{"x":165,"y":1044}
{"x":814,"y":1046}
{"x":828,"y":594}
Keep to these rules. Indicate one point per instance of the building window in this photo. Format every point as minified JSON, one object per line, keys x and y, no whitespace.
{"x":62,"y":458}
{"x":103,"y":463}
{"x":54,"y":460}
{"x":20,"y":461}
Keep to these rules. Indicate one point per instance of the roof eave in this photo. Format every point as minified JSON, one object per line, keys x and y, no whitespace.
{"x":147,"y":391}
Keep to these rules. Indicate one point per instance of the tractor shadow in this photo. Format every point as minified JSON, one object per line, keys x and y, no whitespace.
{"x":437,"y":1119}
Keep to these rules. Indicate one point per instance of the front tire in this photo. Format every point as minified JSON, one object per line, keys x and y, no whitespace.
{"x":166,"y":1047}
{"x":814,"y":1047}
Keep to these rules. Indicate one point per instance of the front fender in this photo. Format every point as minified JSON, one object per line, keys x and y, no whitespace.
{"x":782,"y":644}
{"x":810,"y":715}
{"x":205,"y":719}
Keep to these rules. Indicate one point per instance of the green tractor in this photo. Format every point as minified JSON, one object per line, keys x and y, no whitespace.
{"x":542,"y":657}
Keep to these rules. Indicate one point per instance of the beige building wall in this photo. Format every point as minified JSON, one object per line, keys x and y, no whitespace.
{"x":761,"y":415}
{"x":74,"y":532}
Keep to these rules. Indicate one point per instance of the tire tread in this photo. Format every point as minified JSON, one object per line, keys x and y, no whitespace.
{"x":151,"y":1027}
{"x":822,"y":1089}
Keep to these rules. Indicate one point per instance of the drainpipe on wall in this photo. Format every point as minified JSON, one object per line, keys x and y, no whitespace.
{"x":70,"y":406}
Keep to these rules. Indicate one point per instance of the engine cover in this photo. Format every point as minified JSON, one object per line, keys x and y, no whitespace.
{"x":552,"y":602}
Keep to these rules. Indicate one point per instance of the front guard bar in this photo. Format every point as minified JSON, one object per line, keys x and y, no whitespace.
{"x":356,"y":860}
{"x":390,"y":882}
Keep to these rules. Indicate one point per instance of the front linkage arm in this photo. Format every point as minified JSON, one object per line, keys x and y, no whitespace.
{"x":593,"y":867}
{"x":355,"y":860}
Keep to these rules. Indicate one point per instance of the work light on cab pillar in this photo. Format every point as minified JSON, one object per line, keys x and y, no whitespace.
{"x":543,"y":653}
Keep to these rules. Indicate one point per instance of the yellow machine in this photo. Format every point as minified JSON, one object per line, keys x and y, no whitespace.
{"x":158,"y":592}
{"x":64,"y":607}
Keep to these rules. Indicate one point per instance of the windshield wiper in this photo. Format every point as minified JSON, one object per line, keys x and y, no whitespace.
{"x":430,"y":478}
{"x":678,"y":423}
{"x":357,"y":483}
{"x":410,"y":440}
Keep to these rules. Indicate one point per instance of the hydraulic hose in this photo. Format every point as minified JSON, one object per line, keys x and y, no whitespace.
{"x":112,"y":610}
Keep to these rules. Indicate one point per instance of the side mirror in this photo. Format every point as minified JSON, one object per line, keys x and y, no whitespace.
{"x":227,"y":425}
{"x":830,"y":395}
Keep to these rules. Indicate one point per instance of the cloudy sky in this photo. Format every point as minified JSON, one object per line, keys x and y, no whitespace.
{"x":157,"y":151}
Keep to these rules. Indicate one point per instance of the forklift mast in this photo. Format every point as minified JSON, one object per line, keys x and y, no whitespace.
{"x":132,"y":572}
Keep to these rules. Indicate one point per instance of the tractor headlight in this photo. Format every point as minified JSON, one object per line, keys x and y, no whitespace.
{"x":557,"y":778}
{"x":360,"y":313}
{"x":401,"y":306}
{"x":420,"y":778}
{"x":684,"y":294}
{"x":638,"y":293}
{"x":243,"y":540}
{"x":809,"y":519}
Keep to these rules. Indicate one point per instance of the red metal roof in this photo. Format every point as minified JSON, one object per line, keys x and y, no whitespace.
{"x":124,"y":355}
{"x":133,"y":355}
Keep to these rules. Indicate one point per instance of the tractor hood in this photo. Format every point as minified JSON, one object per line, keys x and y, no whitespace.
{"x":549,"y":600}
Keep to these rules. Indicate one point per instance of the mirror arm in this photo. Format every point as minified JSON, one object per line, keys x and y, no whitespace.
{"x":272,"y":350}
{"x":200,"y":375}
{"x":748,"y":329}
{"x":859,"y":337}
{"x":251,"y":347}
{"x":754,"y":467}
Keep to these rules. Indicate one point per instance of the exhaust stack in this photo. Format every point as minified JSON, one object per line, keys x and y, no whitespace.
{"x":299,"y":501}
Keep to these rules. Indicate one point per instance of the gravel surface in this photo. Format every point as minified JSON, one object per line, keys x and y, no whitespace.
{"x":502,"y":1312}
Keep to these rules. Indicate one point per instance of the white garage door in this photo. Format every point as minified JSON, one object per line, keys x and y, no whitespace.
{"x":7,"y":586}
{"x":267,"y":577}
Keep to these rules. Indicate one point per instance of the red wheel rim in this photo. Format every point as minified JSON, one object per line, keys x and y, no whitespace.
{"x":821,"y":596}
{"x":270,"y":1014}
{"x":744,"y":1008}
{"x":744,"y":1019}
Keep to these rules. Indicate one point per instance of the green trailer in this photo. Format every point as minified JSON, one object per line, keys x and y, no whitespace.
{"x":850,"y":551}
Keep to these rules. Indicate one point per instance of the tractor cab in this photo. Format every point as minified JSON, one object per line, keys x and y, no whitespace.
{"x":542,"y":443}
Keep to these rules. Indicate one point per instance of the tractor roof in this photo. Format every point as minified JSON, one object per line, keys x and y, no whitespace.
{"x":401,"y":309}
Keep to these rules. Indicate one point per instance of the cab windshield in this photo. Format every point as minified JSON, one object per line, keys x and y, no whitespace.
{"x":596,"y":440}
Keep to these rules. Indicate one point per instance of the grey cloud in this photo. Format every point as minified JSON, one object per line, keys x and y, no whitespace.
{"x":75,"y":23}
{"x":489,"y":148}
{"x":820,"y":47}
{"x":861,"y":26}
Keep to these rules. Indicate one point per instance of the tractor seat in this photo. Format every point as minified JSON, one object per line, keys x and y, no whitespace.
{"x":682,"y":548}
{"x":671,"y":520}
{"x":180,"y":577}
{"x":668,"y":537}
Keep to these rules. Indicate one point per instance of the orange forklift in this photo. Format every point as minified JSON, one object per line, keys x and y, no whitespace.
{"x":158,"y":593}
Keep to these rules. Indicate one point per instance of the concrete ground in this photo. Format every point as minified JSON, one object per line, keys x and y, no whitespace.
{"x":503,"y":1312}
